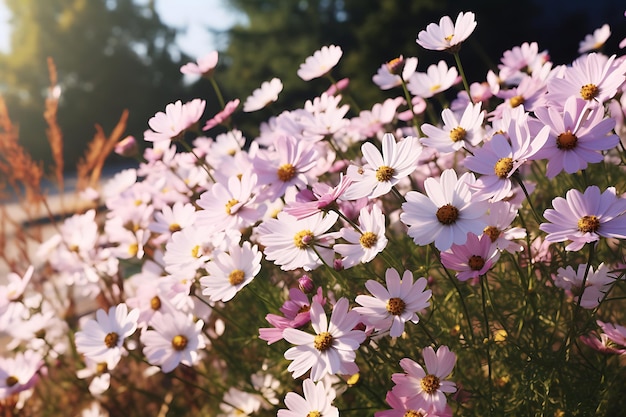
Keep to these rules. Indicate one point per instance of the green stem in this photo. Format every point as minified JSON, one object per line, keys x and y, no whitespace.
{"x":205,"y":166}
{"x":483,"y":285}
{"x":530,"y":203}
{"x":409,"y":101}
{"x":218,"y":93}
{"x":457,"y":59}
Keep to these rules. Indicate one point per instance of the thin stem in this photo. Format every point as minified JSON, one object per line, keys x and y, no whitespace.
{"x":409,"y":101}
{"x":483,"y":285}
{"x":218,"y":93}
{"x":530,"y":203}
{"x":205,"y":166}
{"x":457,"y":59}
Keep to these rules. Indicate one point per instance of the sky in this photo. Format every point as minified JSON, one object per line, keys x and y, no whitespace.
{"x":191,"y":16}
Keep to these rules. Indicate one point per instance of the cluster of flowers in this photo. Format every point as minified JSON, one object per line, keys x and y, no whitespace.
{"x":321,"y":193}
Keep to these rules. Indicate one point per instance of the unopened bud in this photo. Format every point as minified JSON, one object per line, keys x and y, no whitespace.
{"x":306,"y":284}
{"x":127,"y":147}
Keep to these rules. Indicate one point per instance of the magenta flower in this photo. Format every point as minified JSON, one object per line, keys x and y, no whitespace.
{"x":426,"y":388}
{"x":321,"y":197}
{"x":472,"y":259}
{"x":585,"y":217}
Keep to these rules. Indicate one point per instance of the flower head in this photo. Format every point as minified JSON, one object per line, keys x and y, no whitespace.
{"x":390,"y":308}
{"x":595,"y":40}
{"x":320,"y":63}
{"x":204,"y":65}
{"x":472,"y":259}
{"x":261,"y":97}
{"x":447,"y":36}
{"x":585,"y":217}
{"x":317,"y":401}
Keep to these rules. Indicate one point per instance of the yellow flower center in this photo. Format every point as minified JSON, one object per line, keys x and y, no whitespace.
{"x":368,"y":239}
{"x":286,"y":172}
{"x":155,"y":303}
{"x":516,"y":101}
{"x":299,"y":239}
{"x":195,"y":251}
{"x":101,"y":368}
{"x":395,"y":306}
{"x":412,"y":413}
{"x":430,"y":384}
{"x":589,"y":91}
{"x":323,"y":341}
{"x":435,"y":88}
{"x":230,"y":204}
{"x":476,"y":262}
{"x":110,"y":340}
{"x":449,"y":37}
{"x":175,"y":227}
{"x":447,"y":214}
{"x":588,"y":224}
{"x":395,"y":66}
{"x":314,"y":414}
{"x":179,"y":342}
{"x":503,"y":167}
{"x":566,"y":141}
{"x":236,"y":277}
{"x":384,"y":173}
{"x":493,"y":233}
{"x":133,"y":249}
{"x":457,"y":134}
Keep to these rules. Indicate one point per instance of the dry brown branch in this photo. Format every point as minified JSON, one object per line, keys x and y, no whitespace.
{"x":89,"y":168}
{"x":53,"y":132}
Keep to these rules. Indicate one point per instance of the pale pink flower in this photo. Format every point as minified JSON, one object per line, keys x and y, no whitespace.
{"x":501,"y":215}
{"x":103,"y":339}
{"x":264,"y":95}
{"x":520,"y":61}
{"x":473,"y":258}
{"x":399,"y":408}
{"x":392,"y":73}
{"x":370,"y":123}
{"x":172,"y":339}
{"x":499,"y":159}
{"x":170,"y":125}
{"x":426,"y":389}
{"x":229,"y":272}
{"x":320,"y":63}
{"x":293,"y":243}
{"x":19,"y":373}
{"x":447,"y":36}
{"x":365,"y":244}
{"x":321,"y":197}
{"x":446,"y":213}
{"x":595,"y":40}
{"x":238,"y":403}
{"x":585,"y":217}
{"x":597,"y":284}
{"x":223,"y":115}
{"x":437,"y":78}
{"x":171,"y":219}
{"x":185,"y":251}
{"x":331,"y":350}
{"x":390,"y":308}
{"x":456,"y":134}
{"x":317,"y":401}
{"x":593,"y":77}
{"x":204,"y":65}
{"x":578,"y":135}
{"x":383,"y":170}
{"x":615,"y":332}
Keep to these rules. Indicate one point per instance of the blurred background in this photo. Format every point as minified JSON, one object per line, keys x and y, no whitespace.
{"x":113,"y":55}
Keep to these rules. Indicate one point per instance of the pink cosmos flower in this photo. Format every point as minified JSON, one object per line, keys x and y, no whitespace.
{"x":615,"y":332}
{"x":447,"y":36}
{"x":286,"y":166}
{"x":261,"y":97}
{"x":383,"y":171}
{"x":293,"y":243}
{"x":501,"y":215}
{"x":173,"y":339}
{"x":598,"y":282}
{"x":370,"y":123}
{"x":390,"y":308}
{"x":322,"y":197}
{"x":171,"y":219}
{"x":320,"y":63}
{"x":472,"y":259}
{"x":399,"y":408}
{"x":229,"y":272}
{"x":426,"y":388}
{"x":331,"y":350}
{"x":296,"y":312}
{"x":446,"y":213}
{"x":585,"y":217}
{"x":19,"y":373}
{"x":437,"y":78}
{"x":392,"y":73}
{"x":601,"y":343}
{"x":223,"y":115}
{"x":185,"y":251}
{"x":519,"y":61}
{"x":577,"y":136}
{"x":499,"y":159}
{"x":593,"y":77}
{"x":456,"y":134}
{"x":103,"y":339}
{"x":203,"y":66}
{"x":169,"y":125}
{"x":317,"y":401}
{"x":595,"y":40}
{"x":365,"y":244}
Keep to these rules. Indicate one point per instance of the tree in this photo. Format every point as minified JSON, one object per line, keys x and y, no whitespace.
{"x":110,"y":55}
